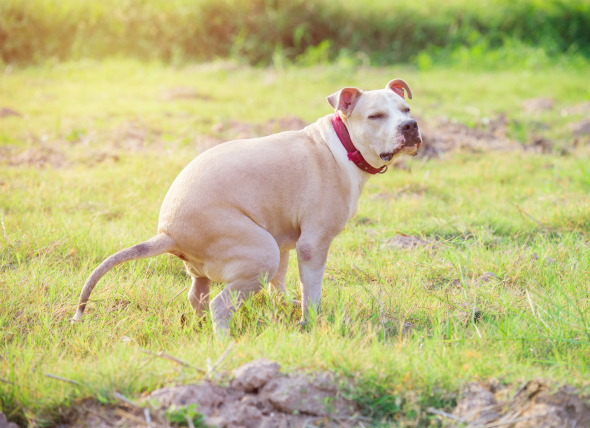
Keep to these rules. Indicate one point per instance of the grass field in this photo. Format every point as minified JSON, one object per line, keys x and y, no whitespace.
{"x":401,"y":324}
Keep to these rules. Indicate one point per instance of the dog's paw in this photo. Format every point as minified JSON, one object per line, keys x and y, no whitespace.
{"x":77,"y":318}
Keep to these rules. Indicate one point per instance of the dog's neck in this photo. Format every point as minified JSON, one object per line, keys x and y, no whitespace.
{"x":323,"y":131}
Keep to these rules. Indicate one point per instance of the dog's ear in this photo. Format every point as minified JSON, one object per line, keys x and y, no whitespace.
{"x":344,"y":100}
{"x":398,"y":86}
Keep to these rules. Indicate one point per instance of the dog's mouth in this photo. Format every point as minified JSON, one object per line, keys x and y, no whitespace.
{"x":386,"y":156}
{"x":414,"y":147}
{"x":408,"y":147}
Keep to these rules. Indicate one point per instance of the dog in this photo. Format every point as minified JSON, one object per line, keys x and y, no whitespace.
{"x":234,"y":213}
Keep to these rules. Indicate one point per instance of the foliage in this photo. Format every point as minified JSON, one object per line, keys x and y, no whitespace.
{"x":180,"y":415}
{"x":271,"y":31}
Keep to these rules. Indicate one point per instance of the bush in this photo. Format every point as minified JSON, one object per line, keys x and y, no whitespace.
{"x":258,"y":30}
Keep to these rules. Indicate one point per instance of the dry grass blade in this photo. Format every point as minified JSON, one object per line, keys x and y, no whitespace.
{"x":362,"y":271}
{"x":189,"y":421}
{"x":6,"y":242}
{"x":97,"y":414}
{"x":177,"y":294}
{"x":48,"y":247}
{"x":220,"y":359}
{"x":174,"y":359}
{"x":513,"y":421}
{"x":63,"y":379}
{"x":126,"y":415}
{"x":126,"y":400}
{"x":445,"y":414}
{"x":531,"y":217}
{"x":147,"y":415}
{"x":6,"y":381}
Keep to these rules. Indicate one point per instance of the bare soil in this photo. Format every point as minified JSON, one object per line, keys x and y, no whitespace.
{"x":258,"y":395}
{"x":406,"y":242}
{"x":532,"y":406}
{"x":440,"y":136}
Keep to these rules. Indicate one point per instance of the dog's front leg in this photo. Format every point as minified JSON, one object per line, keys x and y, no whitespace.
{"x":312,"y":263}
{"x":277,"y":284}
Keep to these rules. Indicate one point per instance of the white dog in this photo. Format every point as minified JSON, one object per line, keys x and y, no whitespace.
{"x":234,"y":213}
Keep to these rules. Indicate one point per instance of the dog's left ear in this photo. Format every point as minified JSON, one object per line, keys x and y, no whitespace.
{"x":398,"y":86}
{"x":344,"y":100}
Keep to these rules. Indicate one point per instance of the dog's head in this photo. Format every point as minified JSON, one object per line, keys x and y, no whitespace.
{"x":379,"y":121}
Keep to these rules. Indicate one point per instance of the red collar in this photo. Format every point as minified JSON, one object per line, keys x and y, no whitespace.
{"x":353,"y":154}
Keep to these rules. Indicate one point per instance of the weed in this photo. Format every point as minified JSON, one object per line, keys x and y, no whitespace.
{"x":181,"y":415}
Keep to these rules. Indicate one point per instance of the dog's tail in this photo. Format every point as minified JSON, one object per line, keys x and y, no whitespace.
{"x":155,"y":246}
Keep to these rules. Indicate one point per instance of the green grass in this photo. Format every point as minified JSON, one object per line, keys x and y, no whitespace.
{"x":59,"y":223}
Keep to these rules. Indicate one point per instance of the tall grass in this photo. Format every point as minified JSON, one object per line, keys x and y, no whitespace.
{"x":260,"y":31}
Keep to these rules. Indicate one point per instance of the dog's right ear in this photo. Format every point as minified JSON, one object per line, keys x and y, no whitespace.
{"x":344,"y":100}
{"x":398,"y":86}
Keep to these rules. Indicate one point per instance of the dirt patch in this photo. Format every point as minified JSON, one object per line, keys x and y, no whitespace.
{"x":287,"y":123}
{"x":235,"y":130}
{"x":6,"y":112}
{"x":535,"y":105}
{"x":486,"y":278}
{"x":451,"y":283}
{"x":258,"y":395}
{"x":406,"y":242}
{"x":5,"y":424}
{"x":38,"y":156}
{"x":134,"y":136}
{"x":486,"y":405}
{"x":441,"y":136}
{"x":183,"y":93}
{"x":81,"y":147}
{"x":89,"y":147}
{"x":541,"y":144}
{"x":581,"y":128}
{"x":56,"y":156}
{"x":582,"y":108}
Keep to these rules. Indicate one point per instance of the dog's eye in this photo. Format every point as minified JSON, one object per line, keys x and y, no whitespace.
{"x":376,"y":116}
{"x":407,"y":110}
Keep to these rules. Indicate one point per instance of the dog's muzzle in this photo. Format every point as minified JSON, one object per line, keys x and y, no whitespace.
{"x":411,"y":133}
{"x":410,"y":141}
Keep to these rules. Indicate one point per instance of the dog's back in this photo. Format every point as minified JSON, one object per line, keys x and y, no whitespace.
{"x":273,"y":181}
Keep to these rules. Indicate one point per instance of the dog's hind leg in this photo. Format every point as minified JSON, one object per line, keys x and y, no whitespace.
{"x":198,"y":295}
{"x":155,"y":246}
{"x":247,"y":267}
{"x":225,"y":304}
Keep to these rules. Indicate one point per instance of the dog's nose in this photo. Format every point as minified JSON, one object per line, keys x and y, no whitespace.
{"x":409,"y":126}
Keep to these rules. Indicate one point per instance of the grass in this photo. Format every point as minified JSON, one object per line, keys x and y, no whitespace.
{"x":523,"y":217}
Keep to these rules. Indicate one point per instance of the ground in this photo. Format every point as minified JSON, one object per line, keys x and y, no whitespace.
{"x":496,"y":286}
